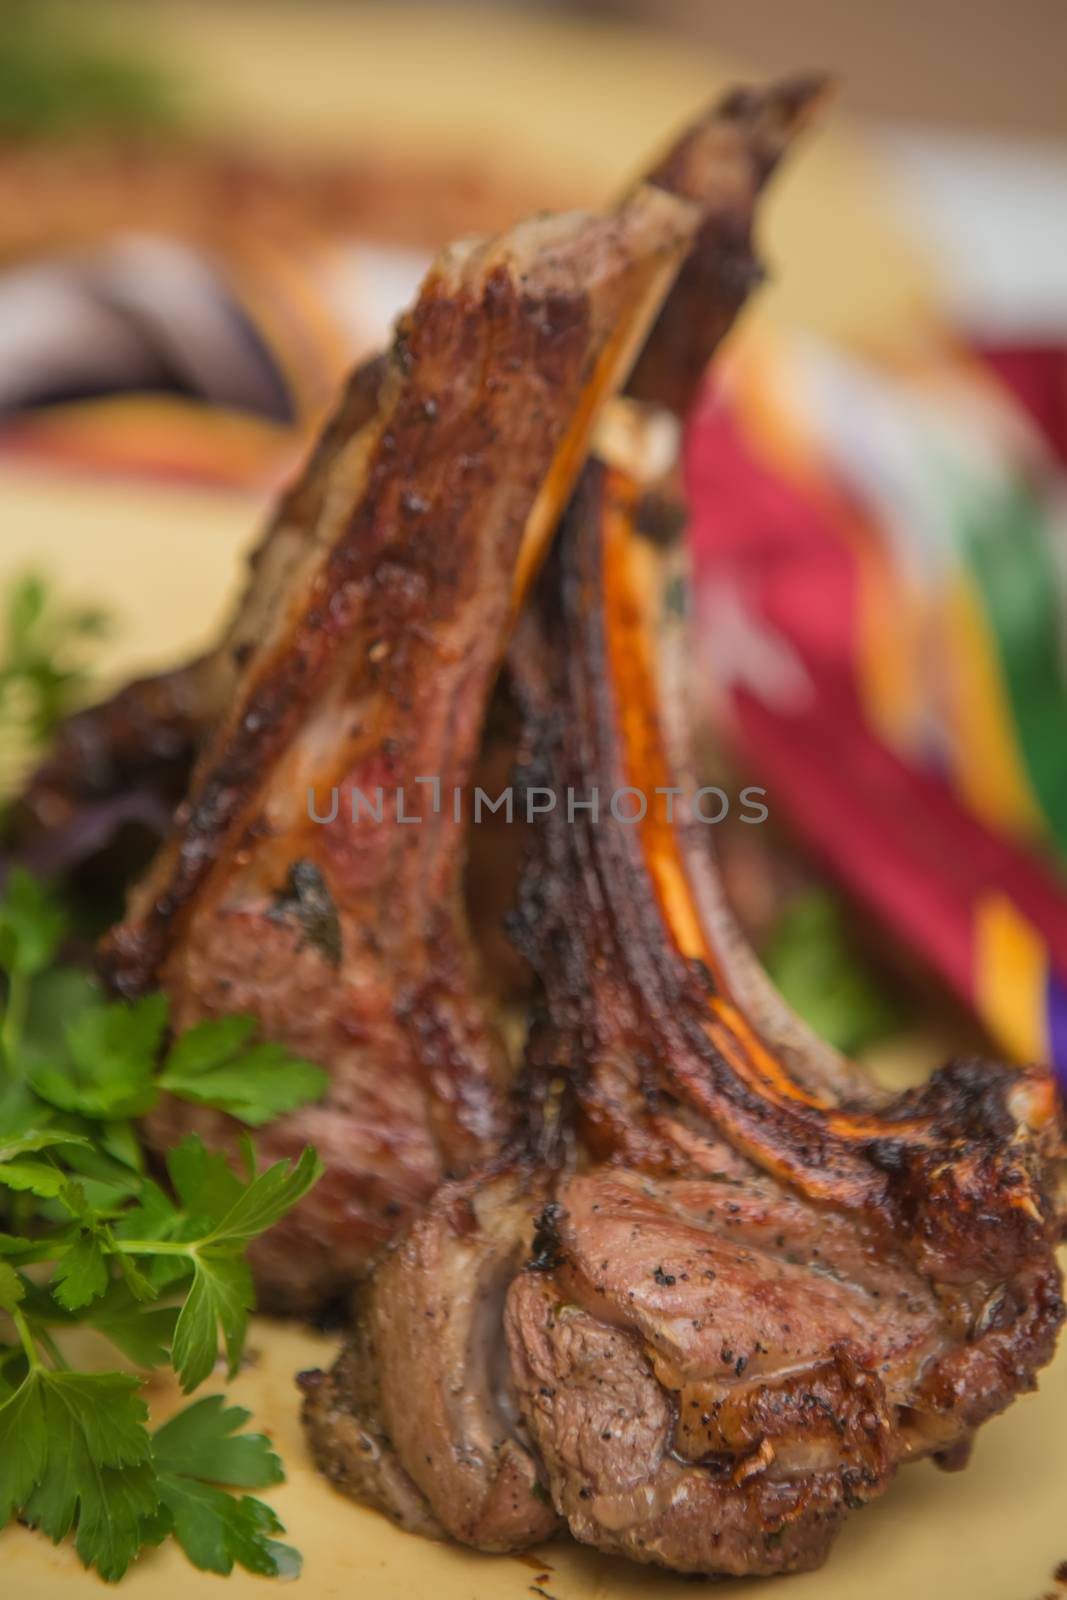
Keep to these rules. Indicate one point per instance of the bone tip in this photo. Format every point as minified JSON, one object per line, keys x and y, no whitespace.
{"x":790,"y":103}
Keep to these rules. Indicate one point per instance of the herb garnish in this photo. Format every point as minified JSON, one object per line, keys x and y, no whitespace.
{"x":90,"y":1238}
{"x":46,"y":647}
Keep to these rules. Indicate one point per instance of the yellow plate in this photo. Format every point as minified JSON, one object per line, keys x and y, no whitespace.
{"x":994,"y":1532}
{"x":560,"y":98}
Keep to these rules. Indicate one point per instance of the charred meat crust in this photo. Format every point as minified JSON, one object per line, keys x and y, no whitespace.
{"x":341,"y":1416}
{"x":964,"y":1154}
{"x":490,"y":358}
{"x":147,"y":738}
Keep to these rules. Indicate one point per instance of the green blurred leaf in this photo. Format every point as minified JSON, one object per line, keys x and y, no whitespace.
{"x":813,"y":961}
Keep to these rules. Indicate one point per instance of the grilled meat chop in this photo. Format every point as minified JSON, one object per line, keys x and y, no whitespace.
{"x":818,"y":1283}
{"x":352,"y":687}
{"x":758,"y":1285}
{"x":348,"y":941}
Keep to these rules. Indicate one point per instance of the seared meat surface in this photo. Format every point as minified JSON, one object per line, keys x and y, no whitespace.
{"x":758,"y":1286}
{"x":417,"y":1418}
{"x":632,"y":1371}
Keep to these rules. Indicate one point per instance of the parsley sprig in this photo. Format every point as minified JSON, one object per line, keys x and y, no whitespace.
{"x":91,"y":1238}
{"x":46,"y":646}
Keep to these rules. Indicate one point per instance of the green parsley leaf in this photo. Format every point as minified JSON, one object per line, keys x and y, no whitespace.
{"x":267,"y":1199}
{"x":218,"y":1531}
{"x":23,"y":1448}
{"x":203,"y":1179}
{"x":105,"y":1182}
{"x":85,"y":1457}
{"x":210,"y":1066}
{"x":222,"y":1295}
{"x":57,"y":996}
{"x":141,"y":1286}
{"x":12,"y":1289}
{"x":204,"y":1441}
{"x":32,"y":1177}
{"x":196,"y":1451}
{"x":20,"y":1111}
{"x":220,"y":1299}
{"x":813,"y":960}
{"x":81,"y":1275}
{"x":110,"y":1071}
{"x":119,"y":1141}
{"x":19,"y":1248}
{"x":33,"y":1139}
{"x":31,"y":925}
{"x":44,"y":650}
{"x":153,"y":1217}
{"x":143,"y":1333}
{"x":163,"y":1276}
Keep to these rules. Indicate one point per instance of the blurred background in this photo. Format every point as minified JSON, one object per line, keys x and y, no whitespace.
{"x":210,"y":208}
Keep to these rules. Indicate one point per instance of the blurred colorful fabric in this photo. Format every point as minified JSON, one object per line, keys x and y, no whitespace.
{"x":150,"y":353}
{"x":189,"y":311}
{"x":881,"y":594}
